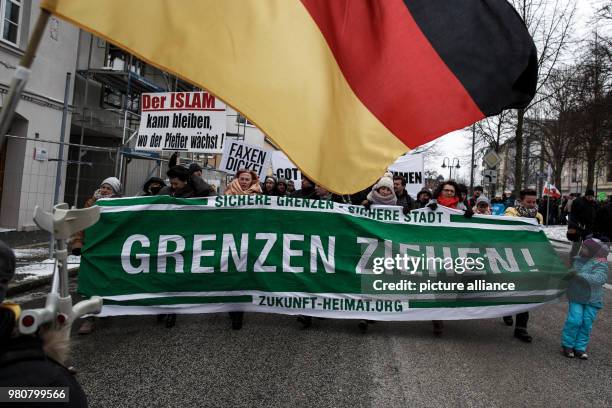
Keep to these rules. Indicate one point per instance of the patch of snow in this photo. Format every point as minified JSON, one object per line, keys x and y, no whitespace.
{"x":45,"y":268}
{"x":557,"y":232}
{"x":27,"y":253}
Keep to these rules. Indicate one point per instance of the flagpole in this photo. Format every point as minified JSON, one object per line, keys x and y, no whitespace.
{"x":20,"y":78}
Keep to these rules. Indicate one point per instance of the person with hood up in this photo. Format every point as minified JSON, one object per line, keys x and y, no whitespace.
{"x":32,"y":361}
{"x":184,"y":185}
{"x":585,"y":295}
{"x":109,"y":188}
{"x":269,"y":186}
{"x":152,"y":186}
{"x":246,"y":182}
{"x":483,"y":206}
{"x":281,"y":187}
{"x":422,"y":198}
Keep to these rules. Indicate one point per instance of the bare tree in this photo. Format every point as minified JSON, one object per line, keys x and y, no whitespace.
{"x":594,"y":117}
{"x":558,"y":127}
{"x":549,"y":22}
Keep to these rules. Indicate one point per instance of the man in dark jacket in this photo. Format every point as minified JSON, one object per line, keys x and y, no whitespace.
{"x":184,"y":185}
{"x":603,"y":221}
{"x":307,"y":190}
{"x":582,"y":217}
{"x":403,"y":198}
{"x":423,"y":198}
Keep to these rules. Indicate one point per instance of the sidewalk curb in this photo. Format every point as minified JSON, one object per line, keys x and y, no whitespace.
{"x":35,"y":283}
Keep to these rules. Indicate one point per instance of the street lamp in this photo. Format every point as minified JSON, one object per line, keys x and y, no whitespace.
{"x":447,"y":163}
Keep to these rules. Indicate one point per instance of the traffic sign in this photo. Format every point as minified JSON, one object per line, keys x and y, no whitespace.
{"x":491,"y":159}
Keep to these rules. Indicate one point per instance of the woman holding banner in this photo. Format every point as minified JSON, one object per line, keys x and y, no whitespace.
{"x":246,"y":182}
{"x":447,"y":195}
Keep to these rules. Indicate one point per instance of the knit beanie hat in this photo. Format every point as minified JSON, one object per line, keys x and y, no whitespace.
{"x":597,"y":248}
{"x":385,"y":181}
{"x":482,"y":199}
{"x":114,"y":183}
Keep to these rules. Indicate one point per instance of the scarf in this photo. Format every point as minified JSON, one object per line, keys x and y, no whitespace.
{"x":98,"y":195}
{"x":234,"y":189}
{"x":375,"y":198}
{"x":448,"y":202}
{"x":525,"y":212}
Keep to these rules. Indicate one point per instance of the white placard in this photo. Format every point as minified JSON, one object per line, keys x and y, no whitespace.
{"x":410,"y":166}
{"x":181,"y":121}
{"x":239,"y":155}
{"x":283,"y":168}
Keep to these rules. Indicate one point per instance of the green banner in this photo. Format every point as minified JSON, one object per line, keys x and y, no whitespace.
{"x":294,"y":256}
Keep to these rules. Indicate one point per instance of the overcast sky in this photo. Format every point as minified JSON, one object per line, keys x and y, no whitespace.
{"x":458,"y":144}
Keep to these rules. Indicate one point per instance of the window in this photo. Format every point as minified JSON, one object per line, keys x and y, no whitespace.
{"x":11,"y":19}
{"x":113,"y":98}
{"x":241,"y":119}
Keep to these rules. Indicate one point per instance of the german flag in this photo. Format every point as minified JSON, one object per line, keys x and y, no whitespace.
{"x":343,"y":87}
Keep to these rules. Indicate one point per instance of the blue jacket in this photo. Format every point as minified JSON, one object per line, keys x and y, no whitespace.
{"x":587,"y":286}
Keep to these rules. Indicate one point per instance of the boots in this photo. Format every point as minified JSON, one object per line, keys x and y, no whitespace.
{"x":522,"y":335}
{"x":438,"y":327}
{"x":306,"y":321}
{"x":363,"y":326}
{"x":170,"y":320}
{"x":236,"y":320}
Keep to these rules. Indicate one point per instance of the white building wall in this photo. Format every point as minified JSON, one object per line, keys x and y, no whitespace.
{"x":42,"y":110}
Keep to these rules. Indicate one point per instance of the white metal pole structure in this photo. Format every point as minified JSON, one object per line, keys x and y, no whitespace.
{"x":60,"y":155}
{"x":59,"y":311}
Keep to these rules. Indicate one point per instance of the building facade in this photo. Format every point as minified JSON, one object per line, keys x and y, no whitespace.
{"x":28,"y":161}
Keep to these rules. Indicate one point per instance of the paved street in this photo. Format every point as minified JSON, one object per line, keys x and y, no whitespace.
{"x":137,"y":362}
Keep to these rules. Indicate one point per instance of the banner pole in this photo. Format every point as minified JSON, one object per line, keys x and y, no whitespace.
{"x":20,"y":78}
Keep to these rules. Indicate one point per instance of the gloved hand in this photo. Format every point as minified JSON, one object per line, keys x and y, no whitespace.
{"x":76,"y":251}
{"x":432,"y":206}
{"x":468,"y":213}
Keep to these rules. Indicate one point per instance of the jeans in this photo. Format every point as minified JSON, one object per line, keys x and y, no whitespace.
{"x":577,"y":330}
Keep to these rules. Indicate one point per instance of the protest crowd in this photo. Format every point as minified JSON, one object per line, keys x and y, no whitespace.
{"x":589,"y":227}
